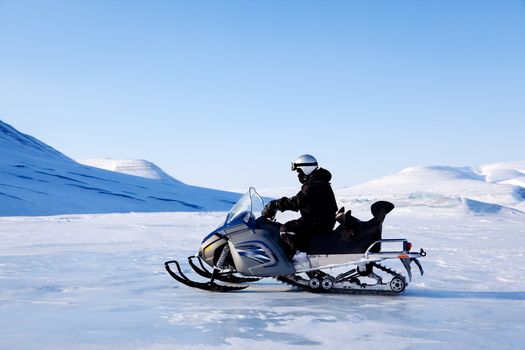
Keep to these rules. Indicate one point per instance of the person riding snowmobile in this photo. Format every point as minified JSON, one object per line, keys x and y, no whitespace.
{"x":316,"y":203}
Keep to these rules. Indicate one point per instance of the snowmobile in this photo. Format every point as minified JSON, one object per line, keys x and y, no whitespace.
{"x":247,"y":248}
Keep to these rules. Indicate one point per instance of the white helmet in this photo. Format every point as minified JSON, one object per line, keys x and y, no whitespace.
{"x":306,"y":163}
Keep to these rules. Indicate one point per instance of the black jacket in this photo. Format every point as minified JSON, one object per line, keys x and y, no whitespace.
{"x":315,"y":201}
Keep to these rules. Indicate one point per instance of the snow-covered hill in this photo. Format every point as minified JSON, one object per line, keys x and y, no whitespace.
{"x":488,"y":189}
{"x":136,"y":167}
{"x":36,"y":179}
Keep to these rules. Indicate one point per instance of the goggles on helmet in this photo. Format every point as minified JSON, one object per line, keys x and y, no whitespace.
{"x":296,"y":166}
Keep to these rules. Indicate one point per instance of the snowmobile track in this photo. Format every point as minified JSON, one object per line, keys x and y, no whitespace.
{"x":363,"y":291}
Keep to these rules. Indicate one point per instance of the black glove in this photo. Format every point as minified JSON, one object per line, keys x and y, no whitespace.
{"x":269,"y":210}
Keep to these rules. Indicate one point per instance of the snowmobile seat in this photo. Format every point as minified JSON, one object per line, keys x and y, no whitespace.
{"x":352,"y":236}
{"x":340,"y":216}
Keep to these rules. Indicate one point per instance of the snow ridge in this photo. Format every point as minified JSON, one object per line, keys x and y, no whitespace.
{"x":36,"y":179}
{"x":11,"y":140}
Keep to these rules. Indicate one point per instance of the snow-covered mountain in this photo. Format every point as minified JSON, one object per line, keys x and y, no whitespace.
{"x":36,"y":179}
{"x":487,"y":189}
{"x":136,"y":167}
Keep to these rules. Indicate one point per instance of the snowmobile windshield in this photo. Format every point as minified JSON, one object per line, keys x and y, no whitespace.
{"x":251,"y":202}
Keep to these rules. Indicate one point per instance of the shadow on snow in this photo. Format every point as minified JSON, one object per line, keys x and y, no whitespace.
{"x":456,"y":294}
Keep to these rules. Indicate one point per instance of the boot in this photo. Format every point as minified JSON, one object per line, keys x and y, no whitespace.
{"x":289,"y":245}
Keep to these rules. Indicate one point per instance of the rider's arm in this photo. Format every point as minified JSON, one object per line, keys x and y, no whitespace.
{"x":290,"y":203}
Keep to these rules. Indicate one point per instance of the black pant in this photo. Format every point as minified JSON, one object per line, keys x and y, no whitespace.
{"x":303,"y":230}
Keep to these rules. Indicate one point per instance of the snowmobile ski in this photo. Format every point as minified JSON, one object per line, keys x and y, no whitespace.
{"x":228,"y":277}
{"x":209,"y":286}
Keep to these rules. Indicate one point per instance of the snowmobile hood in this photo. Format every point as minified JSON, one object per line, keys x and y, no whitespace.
{"x":321,"y":175}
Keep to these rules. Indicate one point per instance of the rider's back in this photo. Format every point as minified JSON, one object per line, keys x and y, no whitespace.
{"x":317,"y":200}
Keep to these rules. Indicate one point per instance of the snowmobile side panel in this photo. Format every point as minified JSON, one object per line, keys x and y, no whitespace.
{"x":259,"y":253}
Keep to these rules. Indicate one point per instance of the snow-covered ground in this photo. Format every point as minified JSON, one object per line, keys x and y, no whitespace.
{"x":98,"y":282}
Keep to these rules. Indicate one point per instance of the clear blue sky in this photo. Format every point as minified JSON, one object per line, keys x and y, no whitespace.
{"x":225,"y":94}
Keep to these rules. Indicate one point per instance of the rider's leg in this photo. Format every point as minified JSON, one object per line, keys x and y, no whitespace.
{"x":293,"y":235}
